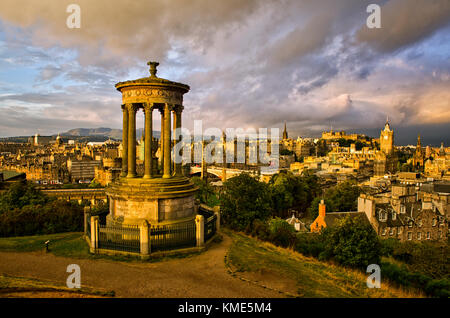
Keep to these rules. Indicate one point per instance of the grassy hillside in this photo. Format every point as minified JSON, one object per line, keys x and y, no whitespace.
{"x":19,"y":287}
{"x":282,"y":269}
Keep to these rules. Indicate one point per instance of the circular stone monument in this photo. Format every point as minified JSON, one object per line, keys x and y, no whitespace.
{"x":163,"y":197}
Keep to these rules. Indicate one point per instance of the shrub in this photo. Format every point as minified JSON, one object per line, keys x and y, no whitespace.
{"x":389,"y":246}
{"x":309,"y":244}
{"x":27,"y":211}
{"x":260,"y":229}
{"x":402,"y":276}
{"x":438,"y":288}
{"x":353,"y":242}
{"x":281,"y":233}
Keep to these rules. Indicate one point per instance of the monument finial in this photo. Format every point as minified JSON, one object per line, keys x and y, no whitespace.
{"x":153,"y":69}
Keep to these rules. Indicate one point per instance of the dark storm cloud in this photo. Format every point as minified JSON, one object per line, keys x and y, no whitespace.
{"x":249,"y":63}
{"x":405,"y":22}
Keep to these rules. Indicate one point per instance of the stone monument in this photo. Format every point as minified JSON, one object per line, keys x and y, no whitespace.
{"x":160,"y":198}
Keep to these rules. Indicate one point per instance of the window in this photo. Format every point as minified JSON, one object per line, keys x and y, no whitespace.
{"x":434,"y":222}
{"x":428,"y":235}
{"x":402,"y":209}
{"x":410,"y":224}
{"x":420,"y":223}
{"x":419,"y":235}
{"x":399,"y":231}
{"x":394,"y":215}
{"x":383,"y":232}
{"x":391,"y":232}
{"x":409,"y":236}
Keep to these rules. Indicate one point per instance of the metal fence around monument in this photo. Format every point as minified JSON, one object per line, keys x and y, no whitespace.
{"x":173,"y":236}
{"x":88,"y":225}
{"x":124,"y":238}
{"x":210,"y":227}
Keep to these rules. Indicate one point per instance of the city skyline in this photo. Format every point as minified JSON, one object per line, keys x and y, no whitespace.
{"x":314,"y":65}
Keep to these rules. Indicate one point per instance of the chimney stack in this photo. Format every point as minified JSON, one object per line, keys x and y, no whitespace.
{"x":322,"y":208}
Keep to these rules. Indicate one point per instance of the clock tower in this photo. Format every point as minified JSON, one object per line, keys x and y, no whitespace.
{"x":387,"y":139}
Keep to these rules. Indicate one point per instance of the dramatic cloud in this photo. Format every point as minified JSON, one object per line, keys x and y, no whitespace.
{"x":252,"y":63}
{"x":404,"y":22}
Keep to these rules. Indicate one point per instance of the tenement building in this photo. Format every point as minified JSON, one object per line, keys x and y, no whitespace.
{"x":409,"y":212}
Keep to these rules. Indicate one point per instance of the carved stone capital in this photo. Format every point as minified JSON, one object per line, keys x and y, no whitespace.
{"x":178,"y":109}
{"x":148,"y":107}
{"x":132,"y":108}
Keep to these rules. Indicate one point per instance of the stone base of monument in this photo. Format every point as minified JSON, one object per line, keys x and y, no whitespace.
{"x":157,"y":200}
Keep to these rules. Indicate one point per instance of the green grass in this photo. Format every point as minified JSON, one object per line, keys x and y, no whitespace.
{"x":312,"y":277}
{"x":71,"y":245}
{"x":59,"y":243}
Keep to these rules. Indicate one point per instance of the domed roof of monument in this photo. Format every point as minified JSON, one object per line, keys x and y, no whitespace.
{"x":153,"y":80}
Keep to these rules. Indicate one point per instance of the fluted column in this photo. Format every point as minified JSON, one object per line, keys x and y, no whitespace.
{"x":131,"y":140}
{"x":166,"y":156}
{"x":161,"y":151}
{"x":148,"y":160}
{"x":124,"y":142}
{"x":177,"y":125}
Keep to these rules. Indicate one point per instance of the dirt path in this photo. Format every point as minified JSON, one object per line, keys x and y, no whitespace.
{"x":203,"y":275}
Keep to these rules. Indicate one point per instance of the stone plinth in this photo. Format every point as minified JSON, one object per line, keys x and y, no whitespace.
{"x":157,"y":200}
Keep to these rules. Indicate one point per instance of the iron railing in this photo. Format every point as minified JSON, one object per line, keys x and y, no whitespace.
{"x":88,"y":225}
{"x":124,"y":238}
{"x":210,"y":227}
{"x":173,"y":236}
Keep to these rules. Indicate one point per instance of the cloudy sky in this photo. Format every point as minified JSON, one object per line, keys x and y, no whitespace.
{"x":249,"y":63}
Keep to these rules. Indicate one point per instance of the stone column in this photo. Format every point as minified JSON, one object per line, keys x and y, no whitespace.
{"x":124,"y":142}
{"x":177,"y":125}
{"x":148,"y":162}
{"x":86,"y":210}
{"x":200,"y":230}
{"x":94,"y":238}
{"x":166,"y":140}
{"x":161,"y":138}
{"x":131,"y":140}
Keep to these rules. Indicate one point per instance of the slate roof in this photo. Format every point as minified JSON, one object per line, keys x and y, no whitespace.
{"x":331,"y":218}
{"x":11,"y":175}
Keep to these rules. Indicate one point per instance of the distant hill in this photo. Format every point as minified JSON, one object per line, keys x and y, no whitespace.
{"x":104,"y":132}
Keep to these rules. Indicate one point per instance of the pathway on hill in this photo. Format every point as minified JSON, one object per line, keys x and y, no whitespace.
{"x":203,"y":275}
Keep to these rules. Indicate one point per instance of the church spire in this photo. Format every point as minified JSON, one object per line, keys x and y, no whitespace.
{"x":285,"y":134}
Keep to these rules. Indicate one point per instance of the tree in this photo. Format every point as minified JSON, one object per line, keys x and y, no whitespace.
{"x":322,"y":148}
{"x":340,"y":198}
{"x":359,"y":145}
{"x":25,"y":210}
{"x":286,"y":152}
{"x":281,"y":233}
{"x":243,"y":200}
{"x":205,"y":190}
{"x":292,"y":191}
{"x":21,"y":194}
{"x":353,"y":242}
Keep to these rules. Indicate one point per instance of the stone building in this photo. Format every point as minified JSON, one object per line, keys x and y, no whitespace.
{"x":407,"y":213}
{"x":419,"y":155}
{"x":330,"y":219}
{"x":386,"y":159}
{"x":82,"y":170}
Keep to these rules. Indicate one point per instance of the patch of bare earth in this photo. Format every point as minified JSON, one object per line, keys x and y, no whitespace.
{"x":199,"y":276}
